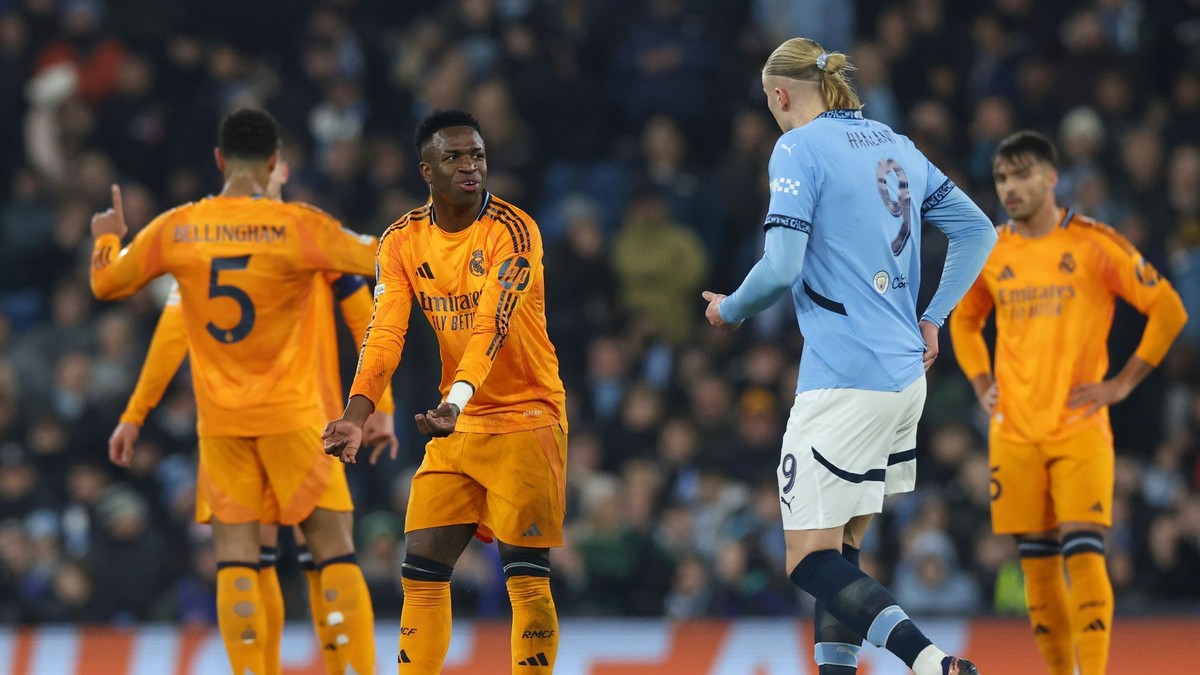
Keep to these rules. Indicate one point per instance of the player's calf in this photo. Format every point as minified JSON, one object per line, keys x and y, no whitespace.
{"x":1091,"y":596}
{"x":535,"y":619}
{"x":349,"y":616}
{"x":241,"y":616}
{"x":835,"y":646}
{"x":864,"y":606}
{"x":425,"y":619}
{"x":1046,"y":598}
{"x":272,"y":597}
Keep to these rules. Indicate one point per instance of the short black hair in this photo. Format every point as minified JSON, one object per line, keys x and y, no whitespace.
{"x":1025,"y":145}
{"x":248,"y":134}
{"x":442,"y":119}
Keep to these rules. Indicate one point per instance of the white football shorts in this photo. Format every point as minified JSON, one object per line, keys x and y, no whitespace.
{"x":845,"y":450}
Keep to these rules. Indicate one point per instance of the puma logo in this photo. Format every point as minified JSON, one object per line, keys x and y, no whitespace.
{"x":788,"y":502}
{"x":788,"y":148}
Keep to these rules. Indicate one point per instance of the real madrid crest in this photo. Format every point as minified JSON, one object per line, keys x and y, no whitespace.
{"x":476,"y":265}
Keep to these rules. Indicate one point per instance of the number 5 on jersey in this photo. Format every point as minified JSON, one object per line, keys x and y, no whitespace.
{"x":216,"y":289}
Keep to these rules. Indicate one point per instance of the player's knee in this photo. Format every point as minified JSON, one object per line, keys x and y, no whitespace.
{"x":1042,"y":545}
{"x":418,"y":568}
{"x":1085,"y":540}
{"x":525,"y":563}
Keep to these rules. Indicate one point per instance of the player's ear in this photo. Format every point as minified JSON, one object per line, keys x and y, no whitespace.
{"x":272,"y":161}
{"x":784,"y":98}
{"x":1052,"y":176}
{"x":426,"y":172}
{"x":220,"y":159}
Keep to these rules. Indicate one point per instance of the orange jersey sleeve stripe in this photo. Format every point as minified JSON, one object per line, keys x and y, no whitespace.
{"x":483,"y":291}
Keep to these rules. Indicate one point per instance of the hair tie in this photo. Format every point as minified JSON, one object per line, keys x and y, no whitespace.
{"x":821,"y":61}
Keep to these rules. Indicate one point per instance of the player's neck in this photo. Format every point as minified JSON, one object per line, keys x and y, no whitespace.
{"x":807,"y":110}
{"x":451,"y":217}
{"x":1041,"y":223}
{"x":245,"y":182}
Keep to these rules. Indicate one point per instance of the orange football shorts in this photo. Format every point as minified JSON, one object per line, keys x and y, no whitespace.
{"x":511,"y":484}
{"x":280,"y":478}
{"x":1038,"y":486}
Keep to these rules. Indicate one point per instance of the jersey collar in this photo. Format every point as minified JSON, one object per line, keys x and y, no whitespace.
{"x":842,"y":114}
{"x":487,"y":201}
{"x":1068,"y":216}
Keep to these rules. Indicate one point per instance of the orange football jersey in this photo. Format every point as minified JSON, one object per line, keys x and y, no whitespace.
{"x":483,"y":291}
{"x":168,"y":347}
{"x":249,"y":273}
{"x":1054,"y":298}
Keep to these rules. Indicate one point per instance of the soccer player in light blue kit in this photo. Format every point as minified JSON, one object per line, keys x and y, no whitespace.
{"x":843,"y":234}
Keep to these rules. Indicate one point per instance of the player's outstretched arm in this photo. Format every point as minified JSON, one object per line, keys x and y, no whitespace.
{"x":384,"y":340}
{"x":354,"y":300}
{"x":768,"y":281}
{"x":117,"y":273}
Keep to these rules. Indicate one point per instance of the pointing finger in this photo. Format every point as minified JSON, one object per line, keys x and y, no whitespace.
{"x":116,"y":200}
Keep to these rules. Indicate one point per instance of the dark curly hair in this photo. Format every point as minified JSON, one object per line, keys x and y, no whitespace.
{"x":442,"y":119}
{"x":248,"y":134}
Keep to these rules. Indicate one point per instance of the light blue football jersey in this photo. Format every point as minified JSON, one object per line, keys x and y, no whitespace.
{"x":858,"y":189}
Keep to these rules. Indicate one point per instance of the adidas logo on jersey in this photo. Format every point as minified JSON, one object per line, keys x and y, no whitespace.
{"x":424,"y":272}
{"x":403,"y":658}
{"x":533,"y":531}
{"x":1097,"y":625}
{"x":538,"y":659}
{"x":1040,"y":630}
{"x":1007,"y":273}
{"x":1097,"y":508}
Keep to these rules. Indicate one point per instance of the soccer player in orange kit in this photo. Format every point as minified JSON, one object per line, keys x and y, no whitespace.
{"x":168,"y":347}
{"x":1052,"y":279}
{"x":248,"y":268}
{"x":473,"y":263}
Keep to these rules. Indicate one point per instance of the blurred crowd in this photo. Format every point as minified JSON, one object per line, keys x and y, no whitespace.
{"x":635,"y":132}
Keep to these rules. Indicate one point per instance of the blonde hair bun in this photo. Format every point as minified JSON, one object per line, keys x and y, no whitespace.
{"x":834,"y":63}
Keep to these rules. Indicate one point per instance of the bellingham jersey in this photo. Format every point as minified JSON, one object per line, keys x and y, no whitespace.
{"x":249,"y":273}
{"x":1054,"y":298}
{"x":168,"y":346}
{"x":483,"y":291}
{"x":858,"y":189}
